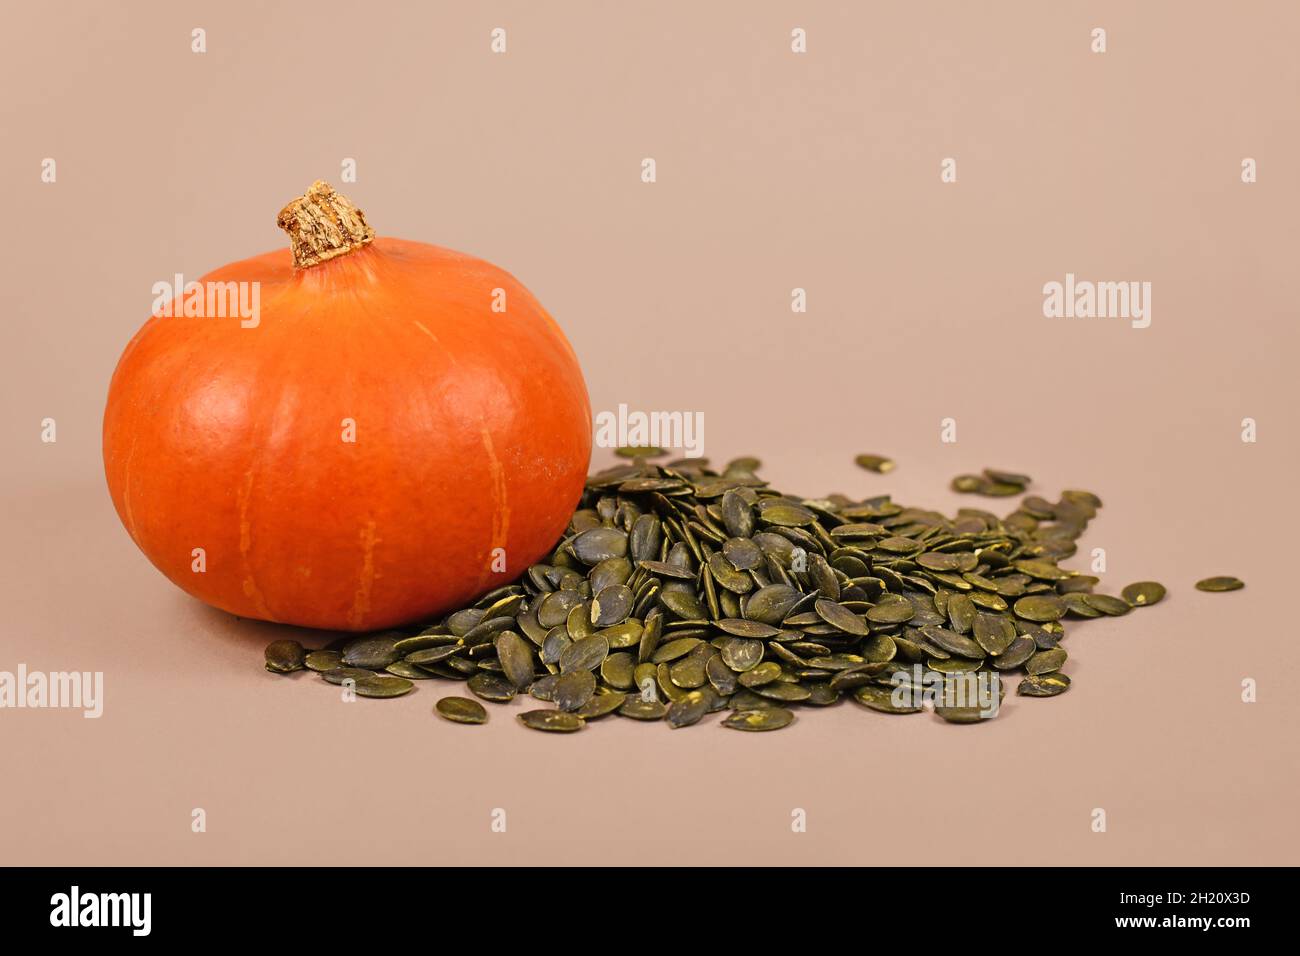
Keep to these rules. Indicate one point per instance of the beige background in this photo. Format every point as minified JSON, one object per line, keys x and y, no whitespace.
{"x":775,"y":171}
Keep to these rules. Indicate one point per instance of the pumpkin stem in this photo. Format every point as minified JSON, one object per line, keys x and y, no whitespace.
{"x":323,"y":225}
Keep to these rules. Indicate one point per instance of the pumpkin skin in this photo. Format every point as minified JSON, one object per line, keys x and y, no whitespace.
{"x":472,"y":432}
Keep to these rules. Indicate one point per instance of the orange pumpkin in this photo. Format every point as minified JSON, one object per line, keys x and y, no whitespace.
{"x":379,"y":446}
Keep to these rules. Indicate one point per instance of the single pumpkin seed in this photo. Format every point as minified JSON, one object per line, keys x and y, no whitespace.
{"x":461,"y":710}
{"x":767,"y":718}
{"x":285,"y":657}
{"x":1143,"y":593}
{"x":1223,"y":583}
{"x":552,"y":721}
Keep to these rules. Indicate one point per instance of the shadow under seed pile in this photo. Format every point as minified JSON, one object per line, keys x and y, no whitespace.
{"x":678,"y":592}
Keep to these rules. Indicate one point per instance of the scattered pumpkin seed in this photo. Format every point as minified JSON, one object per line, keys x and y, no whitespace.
{"x":554,"y":721}
{"x":1107,"y":604}
{"x":1224,"y":583}
{"x":340,"y":674}
{"x":1045,"y":685}
{"x":1143,"y":593}
{"x":767,"y":718}
{"x":284,"y":657}
{"x":461,"y":710}
{"x":575,"y":688}
{"x":379,"y":685}
{"x":881,"y":698}
{"x":516,"y":658}
{"x":877,"y":463}
{"x":373,"y":653}
{"x":601,"y":705}
{"x":687,"y":710}
{"x":639,"y":709}
{"x":320,"y":661}
{"x":408,"y":670}
{"x":491,"y":687}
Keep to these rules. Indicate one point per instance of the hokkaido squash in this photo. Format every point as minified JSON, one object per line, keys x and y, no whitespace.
{"x":400,"y":429}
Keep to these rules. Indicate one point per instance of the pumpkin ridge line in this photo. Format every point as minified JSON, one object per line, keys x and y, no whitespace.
{"x":361,"y":602}
{"x":126,"y":490}
{"x":501,"y":511}
{"x":245,"y":543}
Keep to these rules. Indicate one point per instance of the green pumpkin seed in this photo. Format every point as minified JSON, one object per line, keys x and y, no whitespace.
{"x":772,"y":603}
{"x":544,"y":688}
{"x":611,"y":606}
{"x":877,"y":463}
{"x":782,"y":690}
{"x":372,"y":653}
{"x":1143,"y":593}
{"x":432,"y":655}
{"x":881,"y":698}
{"x":1079,"y":583}
{"x":639,"y":451}
{"x":953,"y":643}
{"x":491,"y":687}
{"x":1019,"y":651}
{"x":1045,"y":685}
{"x":961,"y":613}
{"x":1220,"y":584}
{"x":841,"y":618}
{"x":461,"y":710}
{"x":743,"y":553}
{"x":617,"y":671}
{"x":760,"y":675}
{"x":1107,"y":604}
{"x":1041,"y":570}
{"x":377,"y":685}
{"x":687,"y":710}
{"x":767,"y":718}
{"x":688,"y":672}
{"x":624,"y":635}
{"x":341,"y":674}
{"x":557,"y":641}
{"x":739,"y":627}
{"x":639,"y":709}
{"x":721,"y":677}
{"x":822,"y":695}
{"x":584,"y":655}
{"x":1043,"y":636}
{"x":1040,"y":607}
{"x":601,"y":705}
{"x":574,"y":689}
{"x":408,"y":670}
{"x":964,"y":715}
{"x":675,"y":649}
{"x":879,"y":648}
{"x":553,"y":721}
{"x":321,"y":661}
{"x":993,"y":633}
{"x":685,"y":606}
{"x":1007,"y":477}
{"x":741,"y":654}
{"x":956,"y":665}
{"x":891,"y":610}
{"x":1044,"y":662}
{"x":599,"y":544}
{"x":1079,"y":605}
{"x":285,"y":657}
{"x":516,"y":658}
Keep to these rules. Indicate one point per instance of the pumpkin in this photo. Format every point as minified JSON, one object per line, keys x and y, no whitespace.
{"x":398,"y":430}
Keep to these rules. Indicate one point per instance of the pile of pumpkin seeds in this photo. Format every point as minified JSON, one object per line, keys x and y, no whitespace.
{"x":678,"y":591}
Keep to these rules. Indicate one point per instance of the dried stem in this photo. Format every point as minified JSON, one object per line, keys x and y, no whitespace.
{"x":323,"y":225}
